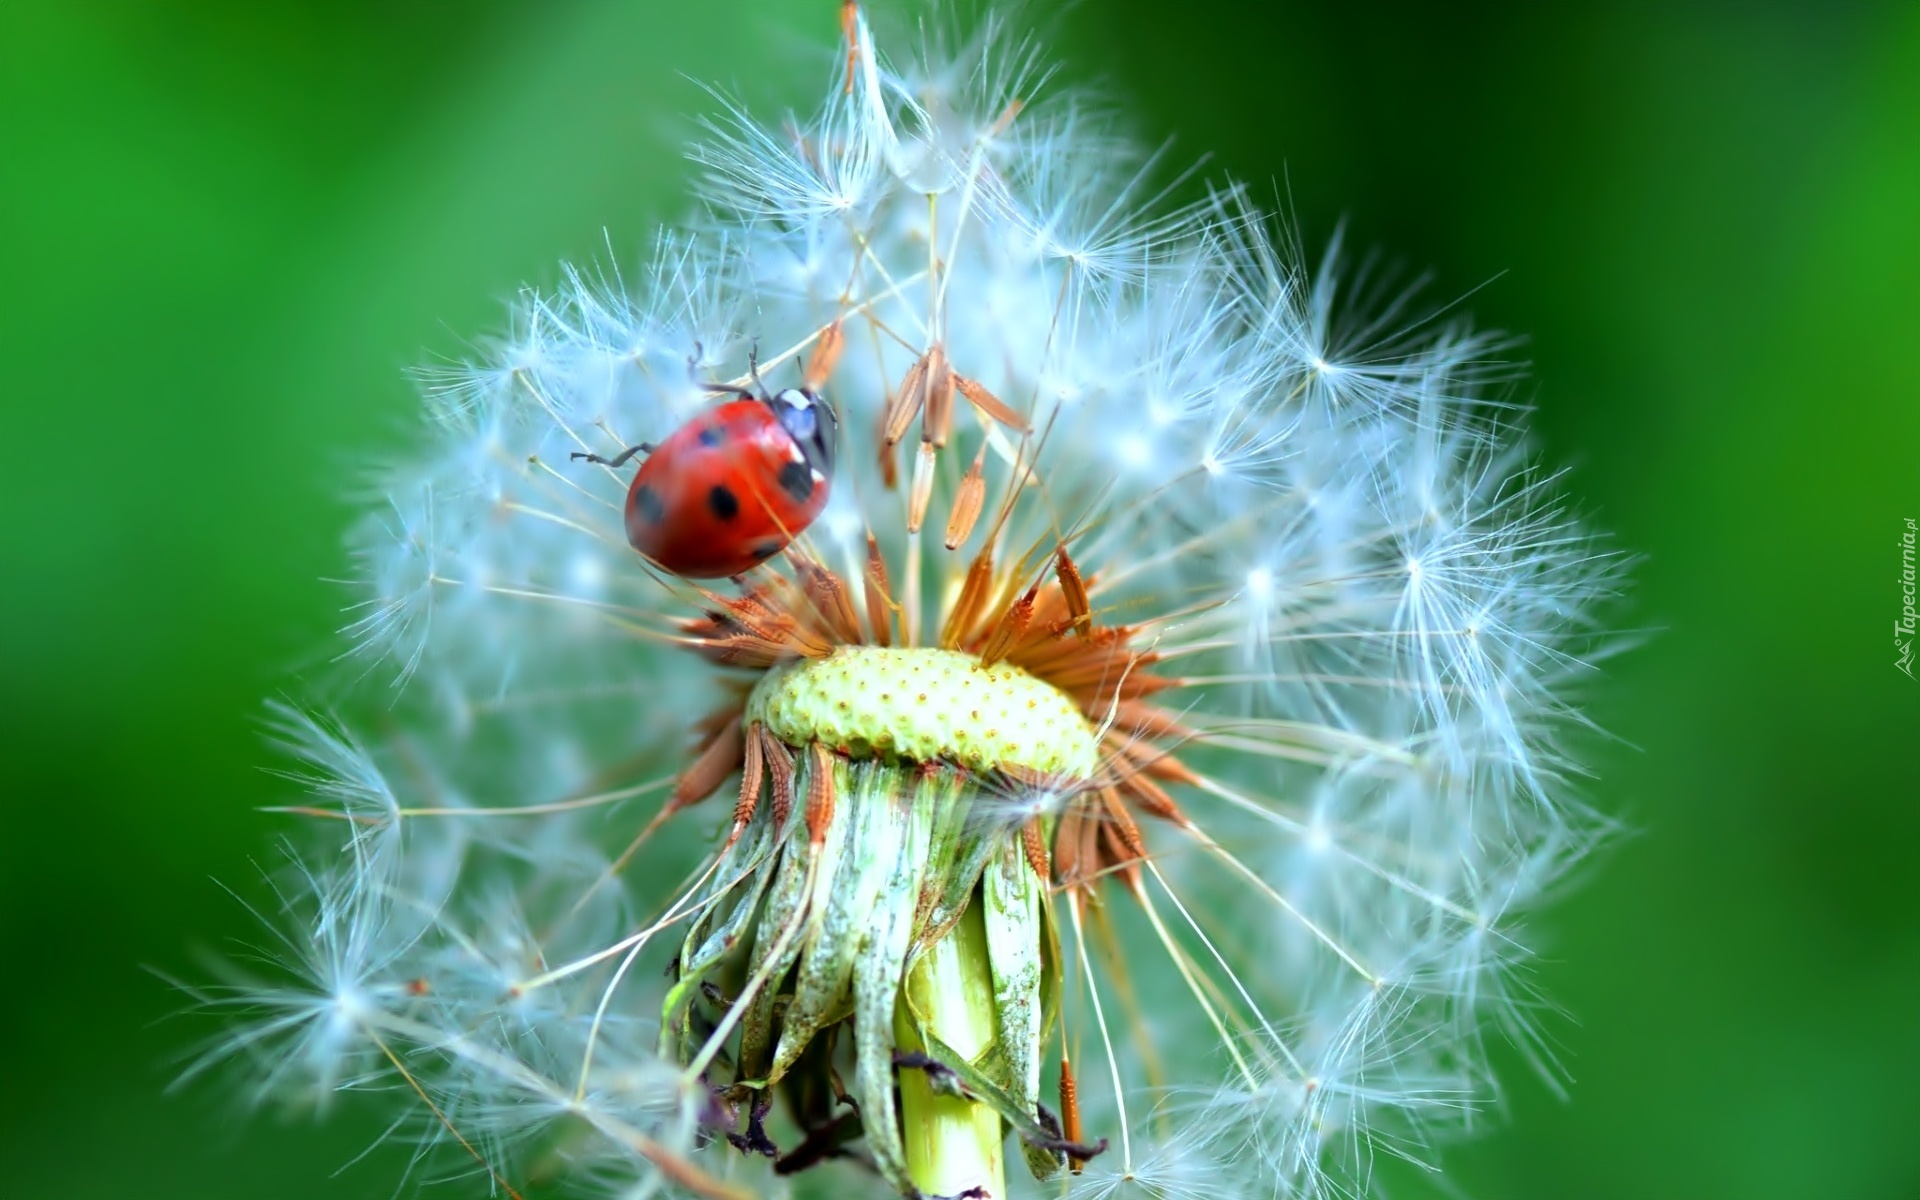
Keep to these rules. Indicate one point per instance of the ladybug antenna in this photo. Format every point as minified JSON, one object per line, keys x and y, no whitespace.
{"x":753,"y":368}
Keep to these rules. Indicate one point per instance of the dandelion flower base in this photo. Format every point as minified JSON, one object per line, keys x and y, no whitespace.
{"x":925,"y":704}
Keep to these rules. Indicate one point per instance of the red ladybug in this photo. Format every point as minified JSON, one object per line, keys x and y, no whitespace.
{"x":730,"y":488}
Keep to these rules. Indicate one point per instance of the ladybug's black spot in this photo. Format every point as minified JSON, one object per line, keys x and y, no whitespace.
{"x":646,"y":502}
{"x":723,"y":502}
{"x":796,"y":478}
{"x":712,"y":435}
{"x":767,"y":549}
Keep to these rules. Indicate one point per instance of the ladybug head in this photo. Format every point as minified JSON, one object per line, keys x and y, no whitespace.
{"x":812,"y":425}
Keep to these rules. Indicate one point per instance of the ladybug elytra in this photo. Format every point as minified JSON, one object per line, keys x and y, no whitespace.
{"x":733,"y":486}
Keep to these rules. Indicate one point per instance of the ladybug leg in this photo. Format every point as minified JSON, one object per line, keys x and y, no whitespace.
{"x":706,"y":385}
{"x":618,"y":460}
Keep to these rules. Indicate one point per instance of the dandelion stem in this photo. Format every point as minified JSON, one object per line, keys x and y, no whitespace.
{"x":953,"y":1144}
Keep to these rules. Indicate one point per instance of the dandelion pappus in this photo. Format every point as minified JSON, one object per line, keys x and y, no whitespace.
{"x":735,"y":484}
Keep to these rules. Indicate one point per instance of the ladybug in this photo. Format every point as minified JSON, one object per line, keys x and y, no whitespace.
{"x":734,"y":485}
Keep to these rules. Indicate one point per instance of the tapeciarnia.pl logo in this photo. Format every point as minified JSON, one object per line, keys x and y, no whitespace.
{"x":1903,"y":628}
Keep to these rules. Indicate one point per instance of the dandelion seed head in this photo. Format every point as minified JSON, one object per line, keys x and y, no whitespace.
{"x":1268,"y":541}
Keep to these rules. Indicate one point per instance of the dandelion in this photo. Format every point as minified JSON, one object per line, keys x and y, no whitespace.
{"x":1131,"y":784}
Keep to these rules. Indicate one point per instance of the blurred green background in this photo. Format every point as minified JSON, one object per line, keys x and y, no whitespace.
{"x":227,"y":227}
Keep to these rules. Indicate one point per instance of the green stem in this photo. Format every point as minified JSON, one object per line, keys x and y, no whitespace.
{"x":952,"y":1144}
